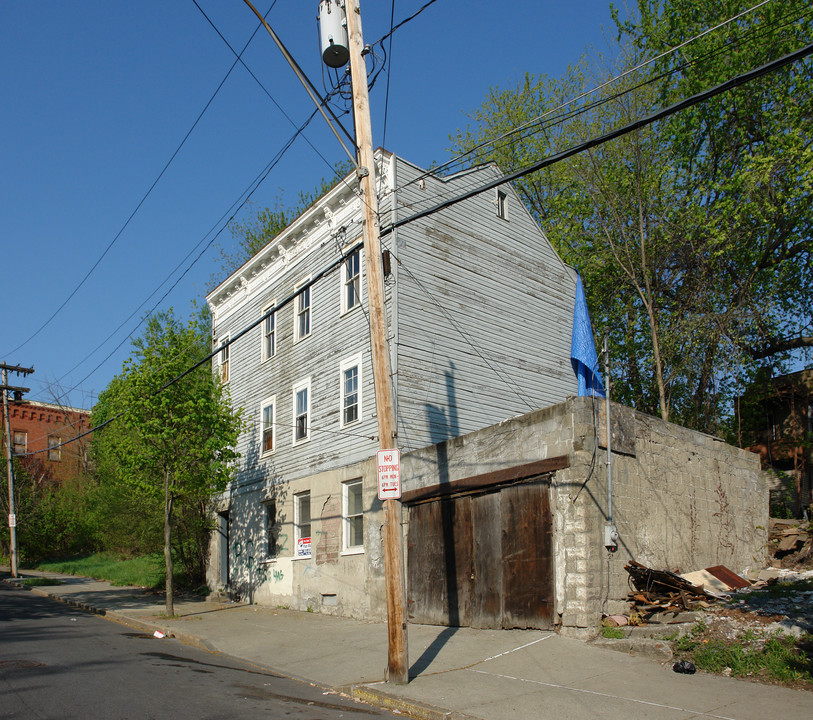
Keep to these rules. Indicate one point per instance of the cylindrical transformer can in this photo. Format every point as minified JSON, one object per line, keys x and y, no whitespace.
{"x":333,"y":33}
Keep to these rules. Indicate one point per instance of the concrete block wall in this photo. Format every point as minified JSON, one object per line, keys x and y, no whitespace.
{"x":682,"y":501}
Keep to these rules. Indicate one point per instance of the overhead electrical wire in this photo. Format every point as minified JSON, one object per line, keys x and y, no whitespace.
{"x":239,"y":57}
{"x":530,"y":130}
{"x":389,"y":70}
{"x":235,"y":208}
{"x":544,"y":162}
{"x":612,"y":135}
{"x":491,"y":141}
{"x":404,"y":22}
{"x":137,"y":207}
{"x":232,"y":339}
{"x":261,"y":177}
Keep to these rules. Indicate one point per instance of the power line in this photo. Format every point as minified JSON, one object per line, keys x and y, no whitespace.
{"x":389,"y":70}
{"x":232,"y":339}
{"x":258,"y":180}
{"x":404,"y":21}
{"x":137,"y":208}
{"x":612,"y":135}
{"x":434,"y":171}
{"x":239,"y":57}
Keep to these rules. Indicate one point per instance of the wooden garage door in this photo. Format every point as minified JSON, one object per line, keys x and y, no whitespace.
{"x":483,"y":559}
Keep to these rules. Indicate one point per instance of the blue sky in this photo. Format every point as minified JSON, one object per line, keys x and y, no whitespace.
{"x":96,"y":97}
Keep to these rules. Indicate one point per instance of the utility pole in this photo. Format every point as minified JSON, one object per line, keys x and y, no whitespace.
{"x":12,"y":517}
{"x":397,"y":666}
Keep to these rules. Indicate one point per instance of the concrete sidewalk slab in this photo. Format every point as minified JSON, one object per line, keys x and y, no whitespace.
{"x":456,"y":673}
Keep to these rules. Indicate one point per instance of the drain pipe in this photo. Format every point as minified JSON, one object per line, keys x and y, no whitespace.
{"x":610,"y":531}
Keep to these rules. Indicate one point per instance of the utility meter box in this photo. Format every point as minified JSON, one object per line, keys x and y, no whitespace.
{"x":333,"y":33}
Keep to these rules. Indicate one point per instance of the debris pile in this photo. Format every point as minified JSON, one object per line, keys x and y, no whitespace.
{"x":791,"y":543}
{"x":657,"y":591}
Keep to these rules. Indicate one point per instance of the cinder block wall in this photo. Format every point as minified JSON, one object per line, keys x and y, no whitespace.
{"x":681,"y":501}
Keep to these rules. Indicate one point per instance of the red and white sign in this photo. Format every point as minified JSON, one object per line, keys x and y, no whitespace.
{"x":389,"y":474}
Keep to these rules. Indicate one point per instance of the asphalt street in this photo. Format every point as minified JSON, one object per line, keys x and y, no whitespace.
{"x":57,"y":662}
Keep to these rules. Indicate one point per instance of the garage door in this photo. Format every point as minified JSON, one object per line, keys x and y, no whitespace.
{"x":483,"y":559}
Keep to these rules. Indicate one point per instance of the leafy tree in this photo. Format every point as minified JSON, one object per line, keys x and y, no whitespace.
{"x":692,"y":235}
{"x":170,"y":441}
{"x":254,"y":234}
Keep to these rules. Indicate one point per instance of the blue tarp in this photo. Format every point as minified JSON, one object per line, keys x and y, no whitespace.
{"x":583,"y":356}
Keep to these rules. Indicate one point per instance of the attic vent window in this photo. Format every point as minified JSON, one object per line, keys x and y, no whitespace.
{"x":502,"y":201}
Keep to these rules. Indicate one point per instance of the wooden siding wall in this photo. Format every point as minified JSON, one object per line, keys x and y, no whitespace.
{"x":334,"y":338}
{"x":484,"y":311}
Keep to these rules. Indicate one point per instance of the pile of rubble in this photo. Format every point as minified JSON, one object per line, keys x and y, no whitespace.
{"x":791,"y":543}
{"x":735,"y":603}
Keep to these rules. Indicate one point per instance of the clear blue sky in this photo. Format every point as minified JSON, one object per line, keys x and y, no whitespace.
{"x":96,"y":96}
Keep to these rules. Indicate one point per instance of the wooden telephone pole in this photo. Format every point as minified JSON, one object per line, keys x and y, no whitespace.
{"x":397,"y":666}
{"x":12,"y":517}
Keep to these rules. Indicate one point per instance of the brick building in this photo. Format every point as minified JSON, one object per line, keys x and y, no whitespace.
{"x":38,"y":431}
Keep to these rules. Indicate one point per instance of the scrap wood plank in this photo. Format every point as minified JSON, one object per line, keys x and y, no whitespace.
{"x":789,"y":542}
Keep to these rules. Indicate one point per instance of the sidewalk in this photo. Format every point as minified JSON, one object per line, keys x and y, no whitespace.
{"x":456,"y":673}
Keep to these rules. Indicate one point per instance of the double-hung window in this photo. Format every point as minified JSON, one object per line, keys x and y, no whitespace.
{"x":353,"y":516}
{"x":302,"y":411}
{"x":350,"y":379}
{"x":268,"y":427}
{"x":224,"y":359}
{"x":20,"y":442}
{"x":351,"y":281}
{"x":302,"y":312}
{"x":54,"y":448}
{"x":302,"y":524}
{"x":269,"y":333}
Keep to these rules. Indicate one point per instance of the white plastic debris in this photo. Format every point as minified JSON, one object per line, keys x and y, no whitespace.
{"x":158,"y":634}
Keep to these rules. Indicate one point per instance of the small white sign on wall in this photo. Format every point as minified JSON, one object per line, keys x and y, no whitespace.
{"x":389,"y":474}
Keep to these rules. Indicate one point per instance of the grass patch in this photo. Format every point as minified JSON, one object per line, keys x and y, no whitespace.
{"x":146,"y":571}
{"x":40,"y":582}
{"x":782,"y":589}
{"x":778,"y":657}
{"x":612,"y":632}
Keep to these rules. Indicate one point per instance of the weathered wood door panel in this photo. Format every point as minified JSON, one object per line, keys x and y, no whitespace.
{"x":439,"y":562}
{"x":486,"y":611}
{"x":483,"y":560}
{"x":527,"y":557}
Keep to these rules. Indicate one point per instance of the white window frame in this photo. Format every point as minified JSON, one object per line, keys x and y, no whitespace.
{"x":355,"y":280}
{"x":501,"y":202}
{"x":297,"y":388}
{"x":300,"y":552}
{"x":347,"y":364}
{"x":224,"y":359}
{"x":268,"y":403}
{"x":300,"y":310}
{"x":264,"y":334}
{"x":347,"y":517}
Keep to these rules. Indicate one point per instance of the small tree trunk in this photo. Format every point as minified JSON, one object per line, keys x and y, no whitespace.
{"x":168,"y":545}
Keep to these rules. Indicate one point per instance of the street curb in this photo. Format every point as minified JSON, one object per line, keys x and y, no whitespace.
{"x":379,"y":698}
{"x":363,"y":693}
{"x":121,"y":618}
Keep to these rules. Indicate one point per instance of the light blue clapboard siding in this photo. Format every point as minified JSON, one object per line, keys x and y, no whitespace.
{"x":333,"y":339}
{"x":485,"y":311}
{"x":480,"y":314}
